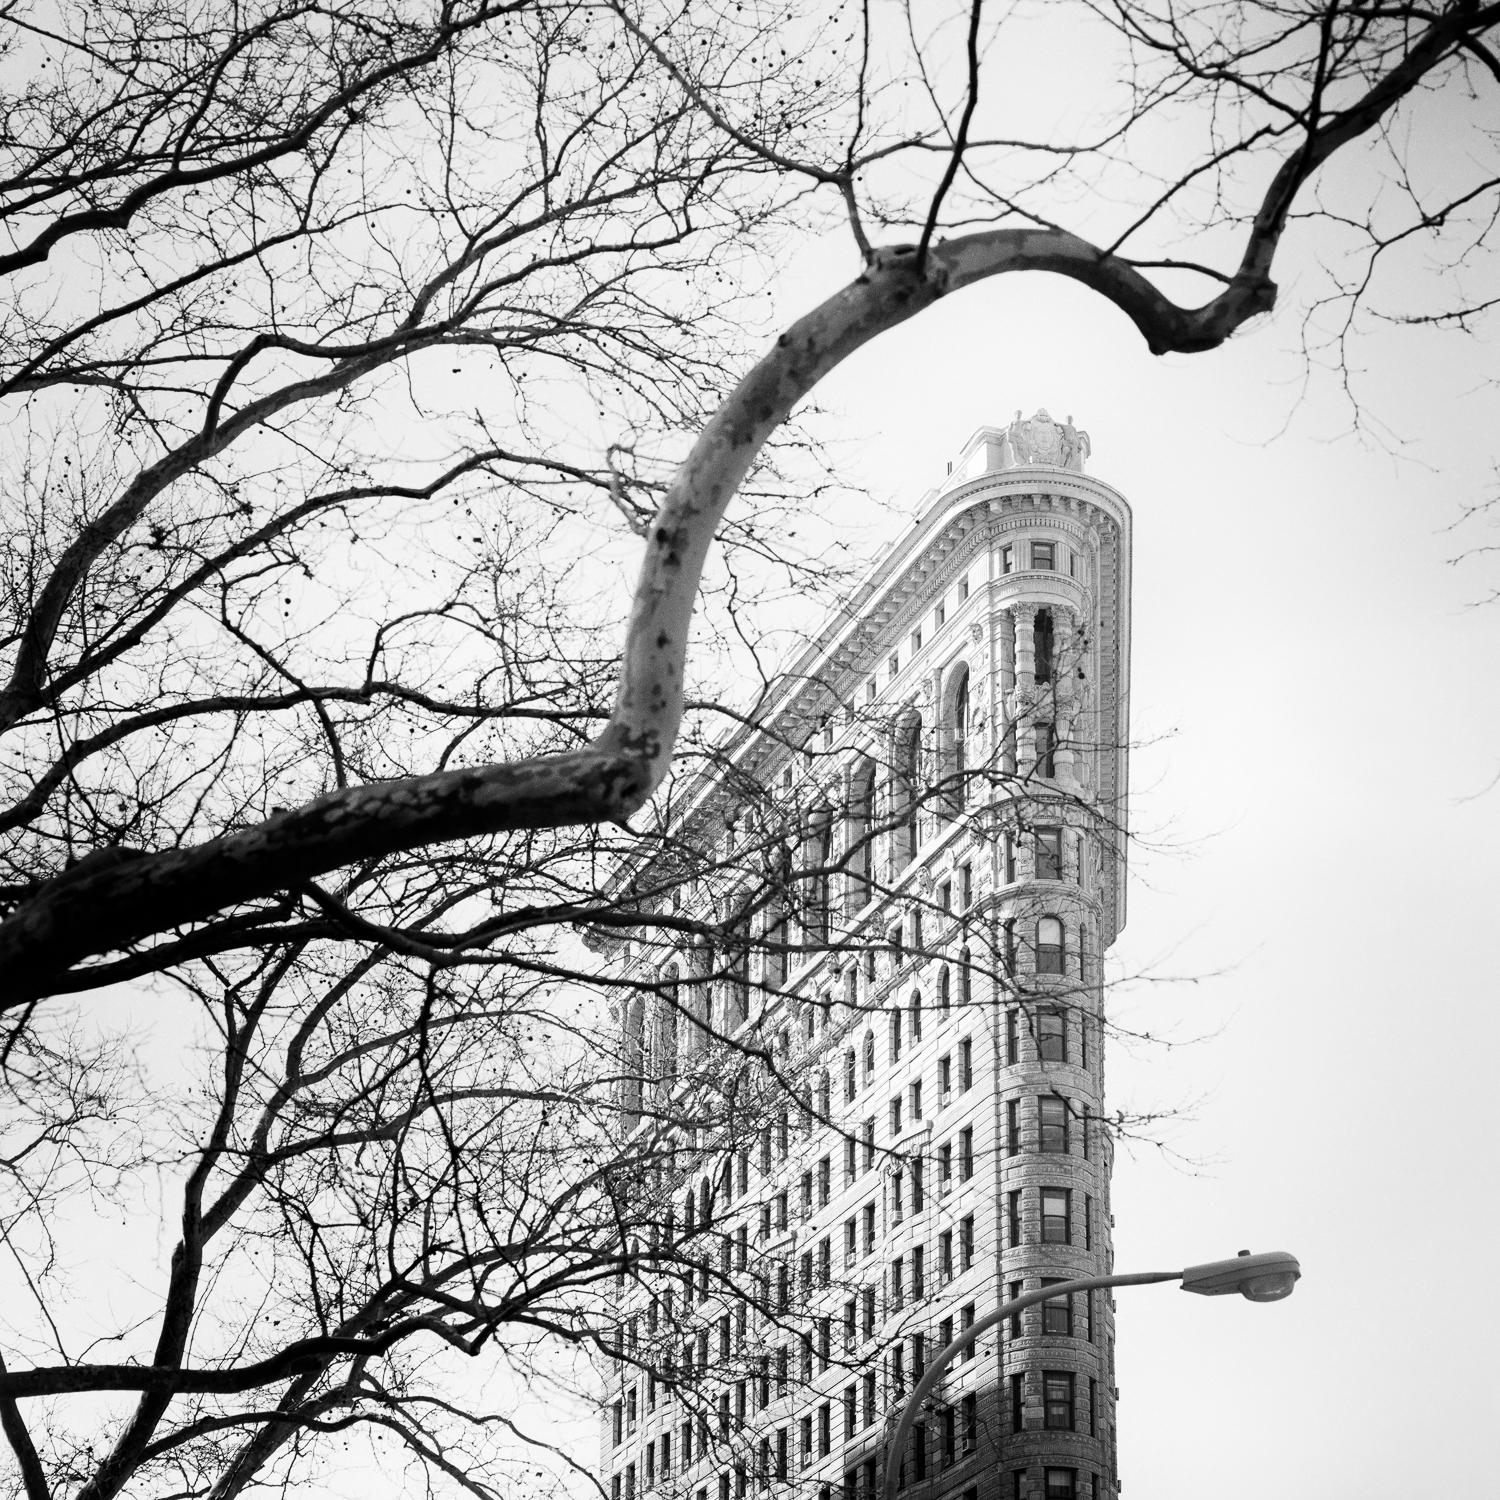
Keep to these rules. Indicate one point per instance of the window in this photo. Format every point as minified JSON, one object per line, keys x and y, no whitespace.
{"x":939,"y":616}
{"x":914,"y":1169}
{"x":1088,"y":1221}
{"x":945,"y":991}
{"x":867,"y":1142}
{"x":1049,"y":946}
{"x":1012,"y":1127}
{"x":896,"y":1115}
{"x":969,"y":1423}
{"x":1061,"y":1484}
{"x":1057,"y":1312}
{"x":965,"y":886}
{"x":1017,"y":1403}
{"x":851,"y":1161}
{"x":906,"y":791}
{"x":914,"y":1099}
{"x":825,"y":1429}
{"x":1012,"y":1293}
{"x":914,"y":1005}
{"x":1093,"y":1407}
{"x":966,"y":1320}
{"x":868,"y":1216}
{"x":850,"y":1080}
{"x":945,"y":895}
{"x":1046,"y":749}
{"x":1007,"y":558}
{"x":1013,"y":1216}
{"x":1044,"y":556}
{"x":898,"y":1282}
{"x":1048,"y":846}
{"x":869,"y":1055}
{"x":1056,"y":1216}
{"x":966,"y":1153}
{"x":1012,"y":1038}
{"x":783,"y":1210}
{"x":895,"y":940}
{"x":965,"y":1065}
{"x":945,"y":1078}
{"x":966,"y":1242}
{"x":1052,"y":1123}
{"x":851,"y":1241}
{"x":945,"y":1257}
{"x":945,"y":1166}
{"x":825,"y":1181}
{"x":948,"y":1442}
{"x":859,"y":840}
{"x":869,"y":1401}
{"x":918,"y":1273}
{"x":805,"y":1440}
{"x":867,"y":1312}
{"x":1052,"y":1036}
{"x":963,"y":588}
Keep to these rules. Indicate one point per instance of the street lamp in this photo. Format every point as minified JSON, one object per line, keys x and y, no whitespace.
{"x":1267,"y":1277}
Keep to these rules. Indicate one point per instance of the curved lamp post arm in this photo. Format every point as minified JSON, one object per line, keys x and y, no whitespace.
{"x":934,"y":1373}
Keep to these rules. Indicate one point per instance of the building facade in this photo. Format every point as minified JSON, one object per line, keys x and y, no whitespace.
{"x":872,"y":1075}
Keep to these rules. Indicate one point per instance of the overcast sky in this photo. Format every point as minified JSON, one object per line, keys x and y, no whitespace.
{"x":1316,"y":709}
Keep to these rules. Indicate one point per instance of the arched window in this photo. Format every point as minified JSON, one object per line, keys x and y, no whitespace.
{"x":851,"y":1084}
{"x":958,"y":742}
{"x":858,"y":837}
{"x":945,"y":990}
{"x":914,"y":1017}
{"x":869,"y":1056}
{"x":1050,"y":955}
{"x":633,"y":1060}
{"x":705,"y":1204}
{"x":818,"y":892}
{"x":823,"y":1101}
{"x":688,"y":1220}
{"x":665,"y":1059}
{"x":906,"y":791}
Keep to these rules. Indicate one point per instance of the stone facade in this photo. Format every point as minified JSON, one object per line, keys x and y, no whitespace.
{"x":951,"y":755}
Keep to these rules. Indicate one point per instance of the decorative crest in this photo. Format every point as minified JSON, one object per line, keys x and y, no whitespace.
{"x":1043,"y":440}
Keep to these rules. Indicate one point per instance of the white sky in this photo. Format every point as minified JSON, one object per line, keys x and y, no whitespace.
{"x":1317,"y":718}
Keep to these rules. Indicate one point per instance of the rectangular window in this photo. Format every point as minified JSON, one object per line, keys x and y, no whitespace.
{"x":783,"y":1210}
{"x":939,"y":616}
{"x":1013,"y":1216}
{"x":867,"y":1142}
{"x":914,"y":1169}
{"x":965,"y":1065}
{"x":945,"y":895}
{"x":867,"y":1215}
{"x":1052,"y":1036}
{"x":1012,"y":1126}
{"x":851,"y":1241}
{"x":898,"y":1282}
{"x":945,"y":1165}
{"x":1061,"y":1484}
{"x":869,"y":1395}
{"x":1057,"y":1312}
{"x":825,"y":1429}
{"x":851,"y":1161}
{"x":969,"y":1423}
{"x":1017,"y":1403}
{"x":1052,"y":1123}
{"x":965,"y":886}
{"x":966,"y":1317}
{"x":1093,"y":1407}
{"x":783,"y":1369}
{"x":805,"y":1440}
{"x":963,"y":588}
{"x":825,"y":1262}
{"x":948,"y":1441}
{"x":1048,"y":847}
{"x":966,"y":1242}
{"x":945,"y":1078}
{"x":945,"y":1256}
{"x":1088,"y":1221}
{"x":1044,"y":556}
{"x":781,"y":1446}
{"x":1012,"y":1038}
{"x":825,"y":1181}
{"x":1056,"y":1216}
{"x":1007,"y":558}
{"x":896,"y":1116}
{"x":1012,"y":1292}
{"x":867,"y":1310}
{"x":966,"y":1153}
{"x":851,"y":1412}
{"x":918,"y":1273}
{"x":914,"y":1099}
{"x":807,"y":1193}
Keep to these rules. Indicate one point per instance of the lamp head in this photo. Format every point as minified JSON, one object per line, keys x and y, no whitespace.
{"x":1267,"y":1277}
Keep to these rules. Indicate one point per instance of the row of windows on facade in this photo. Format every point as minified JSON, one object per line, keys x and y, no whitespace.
{"x":862,"y":1483}
{"x":955,"y":1075}
{"x":949,"y":1436}
{"x":651,"y":1051}
{"x":1068,"y":1316}
{"x":905,"y":1281}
